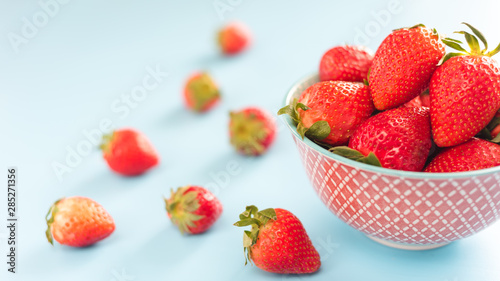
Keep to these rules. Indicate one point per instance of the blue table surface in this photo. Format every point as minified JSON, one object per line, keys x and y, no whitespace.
{"x":70,"y":73}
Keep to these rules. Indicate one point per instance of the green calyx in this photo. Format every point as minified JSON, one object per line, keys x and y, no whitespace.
{"x":247,"y":133}
{"x":106,"y":141}
{"x":49,"y":218}
{"x":355,"y":155}
{"x":203,"y":91}
{"x":318,"y":130}
{"x":252,"y":216}
{"x":182,"y":206}
{"x":472,"y":41}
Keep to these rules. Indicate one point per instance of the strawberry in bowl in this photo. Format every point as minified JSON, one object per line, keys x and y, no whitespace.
{"x":388,"y":179}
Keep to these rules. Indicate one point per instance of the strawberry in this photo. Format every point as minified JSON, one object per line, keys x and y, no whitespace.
{"x":416,"y":102}
{"x":128,"y":152}
{"x":278,"y":242}
{"x":400,"y":138}
{"x":464,"y":91}
{"x":78,"y":222}
{"x":345,"y":63}
{"x":403,"y":65}
{"x":201,"y":92}
{"x":330,"y":111}
{"x":495,"y":131}
{"x":473,"y":154}
{"x":425,"y":99}
{"x":193,"y":209}
{"x":251,"y":131}
{"x":233,"y":38}
{"x":421,"y":100}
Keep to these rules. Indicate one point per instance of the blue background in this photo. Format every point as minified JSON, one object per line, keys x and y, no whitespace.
{"x":65,"y":78}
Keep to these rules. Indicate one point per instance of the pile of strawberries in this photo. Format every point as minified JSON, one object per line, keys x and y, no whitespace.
{"x":411,"y":106}
{"x":277,"y":241}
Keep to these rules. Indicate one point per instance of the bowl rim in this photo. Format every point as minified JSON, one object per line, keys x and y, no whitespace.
{"x":362,"y":166}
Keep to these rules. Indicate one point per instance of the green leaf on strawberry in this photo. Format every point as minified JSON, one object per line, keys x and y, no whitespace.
{"x":355,"y":155}
{"x":251,"y":216}
{"x":318,"y":131}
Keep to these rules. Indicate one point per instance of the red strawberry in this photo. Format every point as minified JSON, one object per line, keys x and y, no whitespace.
{"x":421,"y":100}
{"x":128,"y":152}
{"x":233,"y":38}
{"x":330,"y":111}
{"x":416,"y":102}
{"x":400,"y":138}
{"x":464,"y":92}
{"x":201,"y":92}
{"x":403,"y":65}
{"x":425,"y":99}
{"x":472,"y":155}
{"x":78,"y":222}
{"x":251,"y":131}
{"x":345,"y":63}
{"x":193,"y":209}
{"x":278,"y":242}
{"x":495,"y":131}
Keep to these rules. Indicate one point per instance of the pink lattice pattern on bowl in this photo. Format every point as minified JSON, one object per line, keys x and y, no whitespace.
{"x":402,"y":209}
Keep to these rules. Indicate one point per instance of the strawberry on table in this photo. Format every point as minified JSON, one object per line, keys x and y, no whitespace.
{"x":464,"y":91}
{"x":201,"y":92}
{"x":128,"y":152}
{"x":472,"y":155}
{"x":403,"y":65}
{"x":277,"y":242}
{"x":193,"y":209}
{"x":251,"y":131}
{"x":400,"y":138}
{"x":345,"y":63}
{"x":78,"y":222}
{"x":330,"y":111}
{"x":233,"y":38}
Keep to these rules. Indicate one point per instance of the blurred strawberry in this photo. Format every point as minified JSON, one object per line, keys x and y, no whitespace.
{"x":128,"y":152}
{"x":251,"y":131}
{"x":193,"y":209}
{"x":345,"y":63}
{"x":233,"y":38}
{"x":78,"y":222}
{"x":200,"y":92}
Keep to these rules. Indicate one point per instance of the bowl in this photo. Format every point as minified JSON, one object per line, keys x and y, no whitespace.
{"x":406,"y":210}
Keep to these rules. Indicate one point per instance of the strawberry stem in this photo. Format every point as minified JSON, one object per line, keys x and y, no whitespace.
{"x":181,"y":206}
{"x":318,"y":130}
{"x":107,"y":139}
{"x":203,"y":90}
{"x":472,"y":41}
{"x":49,"y":218}
{"x":252,"y":216}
